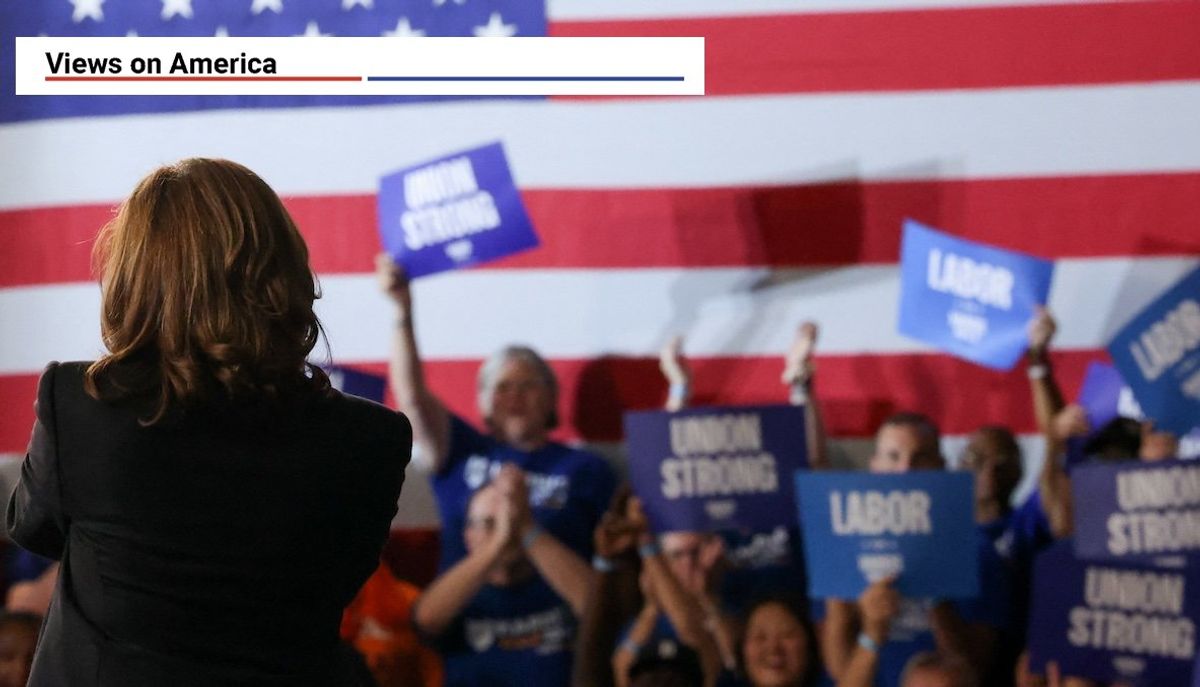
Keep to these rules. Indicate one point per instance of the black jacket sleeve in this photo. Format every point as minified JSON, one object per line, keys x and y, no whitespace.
{"x":36,"y":520}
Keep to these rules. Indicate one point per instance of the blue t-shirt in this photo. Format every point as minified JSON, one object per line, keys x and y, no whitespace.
{"x":569,"y":489}
{"x":911,"y":631}
{"x":516,"y":636}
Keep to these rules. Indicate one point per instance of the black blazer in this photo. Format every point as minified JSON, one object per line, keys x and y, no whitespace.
{"x":216,"y":549}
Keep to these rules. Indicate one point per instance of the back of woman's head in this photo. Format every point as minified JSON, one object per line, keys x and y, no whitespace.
{"x":207,"y":294}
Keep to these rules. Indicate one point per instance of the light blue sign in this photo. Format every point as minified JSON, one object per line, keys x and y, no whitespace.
{"x":1158,"y":354}
{"x":917,"y":527}
{"x":967,"y":298}
{"x":455,"y":211}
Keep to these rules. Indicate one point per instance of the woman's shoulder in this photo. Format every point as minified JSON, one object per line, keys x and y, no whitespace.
{"x":368,"y":413}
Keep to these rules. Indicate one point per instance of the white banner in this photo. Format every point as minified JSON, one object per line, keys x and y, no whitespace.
{"x":359,"y":66}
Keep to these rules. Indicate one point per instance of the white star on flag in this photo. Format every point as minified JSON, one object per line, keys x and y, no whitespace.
{"x":131,"y":34}
{"x":351,"y":4}
{"x":174,"y":7}
{"x":404,"y":30}
{"x":275,"y":6}
{"x":313,"y":31}
{"x":222,"y":32}
{"x":87,"y":9}
{"x":496,"y":28}
{"x":439,"y":3}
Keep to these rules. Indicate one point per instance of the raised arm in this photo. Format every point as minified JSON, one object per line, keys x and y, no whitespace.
{"x":878,"y":605}
{"x":1054,"y":484}
{"x":679,"y":378}
{"x":1047,"y":398}
{"x":685,"y":612}
{"x":615,"y":598}
{"x":799,"y":374}
{"x":430,"y":420}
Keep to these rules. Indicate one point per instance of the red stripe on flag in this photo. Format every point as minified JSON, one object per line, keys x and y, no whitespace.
{"x":855,"y":222}
{"x":857,"y":391}
{"x":983,"y":47}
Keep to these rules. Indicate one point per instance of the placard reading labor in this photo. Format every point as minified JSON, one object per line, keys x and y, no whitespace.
{"x":1158,"y":354}
{"x":1114,"y":622}
{"x":916,"y":527}
{"x":357,"y":383}
{"x":455,"y":211}
{"x":969,"y":299}
{"x":716,"y":468}
{"x":1137,"y":511}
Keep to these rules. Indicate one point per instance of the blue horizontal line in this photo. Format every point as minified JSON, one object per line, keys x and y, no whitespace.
{"x":525,"y":78}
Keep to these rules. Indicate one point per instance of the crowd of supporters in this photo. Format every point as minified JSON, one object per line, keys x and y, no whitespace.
{"x":550,"y":574}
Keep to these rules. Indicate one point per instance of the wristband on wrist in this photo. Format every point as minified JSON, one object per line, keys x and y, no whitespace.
{"x":629,"y":645}
{"x":602,"y":564}
{"x":799,"y":392}
{"x":531,"y":534}
{"x":679,"y":392}
{"x":649,"y":549}
{"x":865,"y":641}
{"x":1037,"y":371}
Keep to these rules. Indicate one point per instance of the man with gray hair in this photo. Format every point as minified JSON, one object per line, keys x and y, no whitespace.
{"x":517,"y":394}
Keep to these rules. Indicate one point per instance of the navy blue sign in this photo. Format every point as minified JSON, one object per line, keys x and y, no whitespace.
{"x":1105,"y":396}
{"x":455,"y":211}
{"x":967,"y":298}
{"x":357,"y":383}
{"x":716,"y":468}
{"x":917,"y":527}
{"x":1112,"y":621}
{"x":1137,"y":511}
{"x":1158,"y":353}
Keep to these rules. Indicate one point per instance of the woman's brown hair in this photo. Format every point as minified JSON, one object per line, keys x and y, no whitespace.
{"x":207,"y":294}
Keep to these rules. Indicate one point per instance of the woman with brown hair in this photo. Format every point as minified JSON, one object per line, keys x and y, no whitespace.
{"x":214,"y":503}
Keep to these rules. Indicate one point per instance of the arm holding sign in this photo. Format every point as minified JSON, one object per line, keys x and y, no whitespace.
{"x":679,"y":377}
{"x":430,"y":419}
{"x":877,"y":605}
{"x":1047,"y":397}
{"x":798,"y":374}
{"x":1054,"y":483}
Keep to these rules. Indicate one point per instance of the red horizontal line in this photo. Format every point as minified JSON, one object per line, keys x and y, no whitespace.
{"x":819,"y":225}
{"x":857,"y":391}
{"x":980,"y":47}
{"x":203,"y":78}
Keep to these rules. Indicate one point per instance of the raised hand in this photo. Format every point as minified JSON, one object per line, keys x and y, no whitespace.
{"x":880,"y":602}
{"x":797,"y":364}
{"x":1041,"y":331}
{"x":393,"y":281}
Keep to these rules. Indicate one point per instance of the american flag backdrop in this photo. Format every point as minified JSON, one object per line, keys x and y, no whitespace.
{"x":1068,"y":130}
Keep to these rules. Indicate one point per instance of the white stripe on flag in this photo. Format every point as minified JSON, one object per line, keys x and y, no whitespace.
{"x":628,"y":144}
{"x":586,"y":313}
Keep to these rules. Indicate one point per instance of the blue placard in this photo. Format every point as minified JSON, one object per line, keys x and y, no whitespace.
{"x":455,"y":211}
{"x":716,"y":468}
{"x":1142,"y":512}
{"x":1105,"y":396}
{"x":1113,"y":621}
{"x":357,"y":383}
{"x":967,"y":298}
{"x":1158,"y":354}
{"x":918,"y":526}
